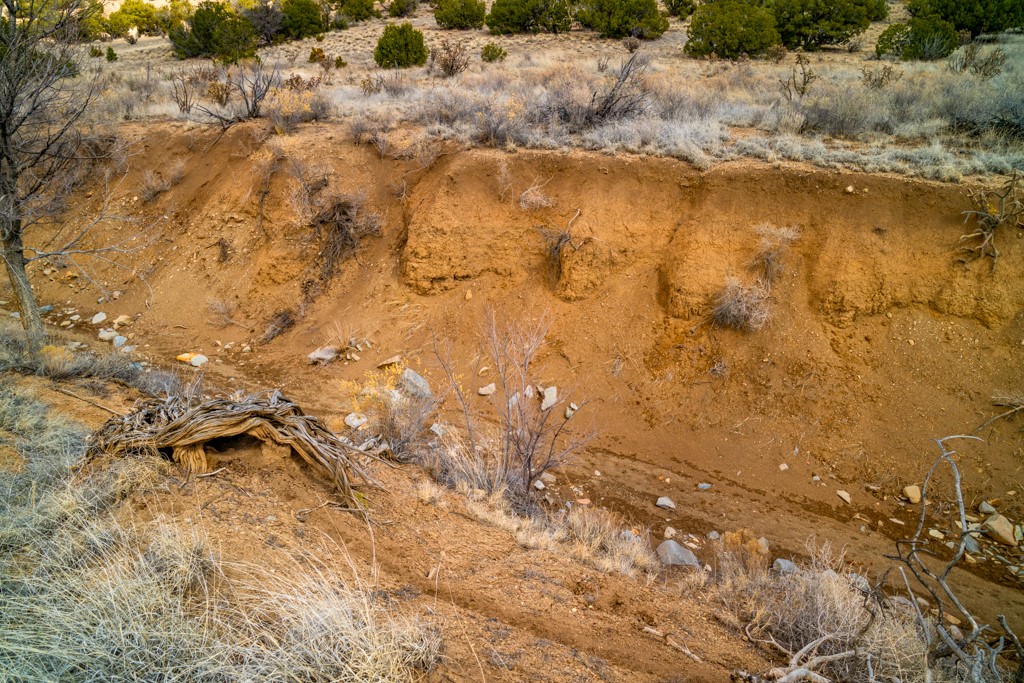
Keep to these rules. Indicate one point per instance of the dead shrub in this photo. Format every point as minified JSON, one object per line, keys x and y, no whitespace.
{"x":531,"y":436}
{"x":741,"y":307}
{"x":775,"y":242}
{"x":823,"y":618}
{"x":339,"y":226}
{"x":534,"y":198}
{"x":153,"y":185}
{"x":278,"y":324}
{"x":451,"y":57}
{"x":555,"y":242}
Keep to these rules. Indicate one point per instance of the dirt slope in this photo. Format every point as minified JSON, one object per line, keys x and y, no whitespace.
{"x":879,"y":340}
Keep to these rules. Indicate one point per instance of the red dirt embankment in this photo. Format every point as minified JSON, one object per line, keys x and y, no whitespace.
{"x":879,"y":338}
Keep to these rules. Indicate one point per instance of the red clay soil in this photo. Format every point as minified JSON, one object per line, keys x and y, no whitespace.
{"x":879,"y":340}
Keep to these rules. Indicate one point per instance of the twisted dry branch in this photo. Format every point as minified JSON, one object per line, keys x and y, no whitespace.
{"x":183,"y":425}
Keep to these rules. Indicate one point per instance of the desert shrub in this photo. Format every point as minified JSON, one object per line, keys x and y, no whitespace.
{"x":359,"y":10}
{"x":111,"y":55}
{"x":460,"y":14}
{"x":400,"y":46}
{"x":302,"y":18}
{"x":622,"y":18}
{"x":339,"y":226}
{"x":530,"y":16}
{"x":91,"y":22}
{"x":402,"y":8}
{"x":450,"y":57}
{"x":810,"y":24}
{"x":925,"y":38}
{"x":136,"y":14}
{"x":680,"y":8}
{"x":973,"y":16}
{"x":984,"y":65}
{"x":878,"y":10}
{"x":214,"y":31}
{"x":172,"y":14}
{"x":95,"y":51}
{"x":491,"y":52}
{"x":730,"y":28}
{"x":267,"y":20}
{"x":741,"y":307}
{"x":316,"y":55}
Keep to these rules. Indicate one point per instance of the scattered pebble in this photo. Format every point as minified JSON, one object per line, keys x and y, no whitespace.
{"x":670,"y":533}
{"x":666,"y":503}
{"x":487,"y":390}
{"x":783,"y":467}
{"x":98,"y":318}
{"x":845,"y":496}
{"x":703,"y":486}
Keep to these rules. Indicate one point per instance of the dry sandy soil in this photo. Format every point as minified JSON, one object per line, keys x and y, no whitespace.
{"x":880,"y":340}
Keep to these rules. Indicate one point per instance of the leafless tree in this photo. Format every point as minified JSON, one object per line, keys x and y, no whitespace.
{"x":43,"y":97}
{"x":975,"y":651}
{"x":532,"y":437}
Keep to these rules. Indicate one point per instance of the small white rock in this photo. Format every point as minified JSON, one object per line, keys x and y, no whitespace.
{"x":783,"y":467}
{"x":845,"y":496}
{"x":539,"y":485}
{"x":487,"y":390}
{"x":198,"y":360}
{"x":669,"y":533}
{"x":355,"y":420}
{"x":550,"y":398}
{"x":666,"y":503}
{"x":98,"y":318}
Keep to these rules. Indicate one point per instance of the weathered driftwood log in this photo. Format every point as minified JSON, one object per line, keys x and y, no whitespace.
{"x":183,"y":425}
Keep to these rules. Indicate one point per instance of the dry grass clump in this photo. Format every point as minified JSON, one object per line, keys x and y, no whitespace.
{"x":594,"y":536}
{"x":859,"y":634}
{"x":85,"y":595}
{"x":741,"y":306}
{"x":59,"y":362}
{"x":401,"y":418}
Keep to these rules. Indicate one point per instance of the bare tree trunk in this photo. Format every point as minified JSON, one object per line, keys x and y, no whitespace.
{"x":12,"y":252}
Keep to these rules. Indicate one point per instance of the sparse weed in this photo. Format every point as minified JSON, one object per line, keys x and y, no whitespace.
{"x":741,"y":307}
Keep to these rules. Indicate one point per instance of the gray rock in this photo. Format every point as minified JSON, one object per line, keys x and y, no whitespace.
{"x":673,"y":554}
{"x":669,"y":533}
{"x":120,"y":341}
{"x":355,"y":420}
{"x":628,"y":535}
{"x":414,"y":384}
{"x":550,"y":398}
{"x":107,"y":334}
{"x":198,"y":360}
{"x":45,"y":309}
{"x":986,"y":509}
{"x":127,"y":349}
{"x":323,"y":355}
{"x":548,"y":478}
{"x":783,"y":567}
{"x":437,"y":429}
{"x":539,"y":485}
{"x":762,"y":546}
{"x":1000,"y":529}
{"x":487,"y":390}
{"x":703,"y":486}
{"x":714,"y":535}
{"x":971,"y":545}
{"x":666,"y":503}
{"x":98,"y":318}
